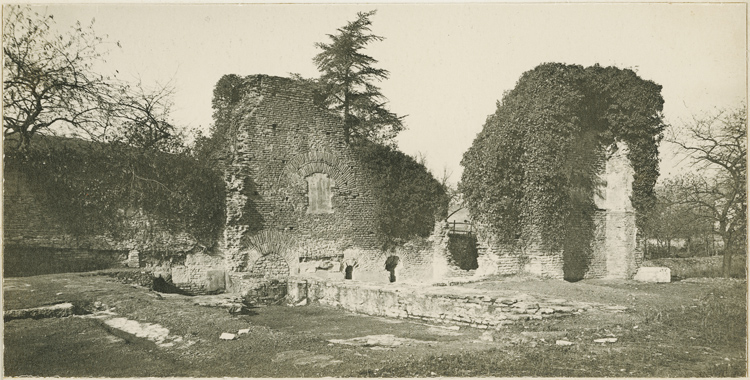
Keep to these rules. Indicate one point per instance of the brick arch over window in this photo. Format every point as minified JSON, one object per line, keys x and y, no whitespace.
{"x":272,"y":242}
{"x":304,"y":165}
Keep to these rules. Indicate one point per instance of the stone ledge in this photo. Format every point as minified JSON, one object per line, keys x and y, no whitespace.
{"x":459,"y":308}
{"x":55,"y":311}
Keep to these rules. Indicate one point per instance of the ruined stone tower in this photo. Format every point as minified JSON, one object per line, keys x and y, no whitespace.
{"x":614,"y":251}
{"x":295,"y":196}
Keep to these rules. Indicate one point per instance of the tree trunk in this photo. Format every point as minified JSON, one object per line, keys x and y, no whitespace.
{"x":25,"y":142}
{"x":713,"y":244}
{"x":726,"y":263}
{"x":726,"y":237}
{"x":669,"y":248}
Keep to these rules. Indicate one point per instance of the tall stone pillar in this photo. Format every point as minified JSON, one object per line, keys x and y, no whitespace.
{"x":619,"y":248}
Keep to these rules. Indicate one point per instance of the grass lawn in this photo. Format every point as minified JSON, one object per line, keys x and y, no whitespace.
{"x":692,"y":328}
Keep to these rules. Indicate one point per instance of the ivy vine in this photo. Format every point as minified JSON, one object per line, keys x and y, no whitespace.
{"x":534,"y":168}
{"x":97,"y":188}
{"x":409,"y":200}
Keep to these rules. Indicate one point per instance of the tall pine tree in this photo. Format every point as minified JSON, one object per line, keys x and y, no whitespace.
{"x":347,"y":83}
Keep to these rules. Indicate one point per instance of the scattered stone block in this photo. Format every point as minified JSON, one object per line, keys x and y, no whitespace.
{"x":561,"y":342}
{"x":544,"y":335}
{"x":605,"y":340}
{"x":616,"y":308}
{"x":227,"y":336}
{"x":653,"y":274}
{"x":134,"y":260}
{"x":237,"y":309}
{"x":243,"y":331}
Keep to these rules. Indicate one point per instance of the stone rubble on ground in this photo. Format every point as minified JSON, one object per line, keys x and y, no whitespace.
{"x":302,"y":357}
{"x":487,"y":336}
{"x":149,"y":331}
{"x":561,"y":342}
{"x":544,"y":335}
{"x":233,"y":303}
{"x":377,"y":341}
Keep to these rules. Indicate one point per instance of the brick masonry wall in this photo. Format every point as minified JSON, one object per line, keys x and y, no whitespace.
{"x":199,"y":273}
{"x":271,"y":266}
{"x":283,"y":144}
{"x":598,"y":261}
{"x":621,"y":245}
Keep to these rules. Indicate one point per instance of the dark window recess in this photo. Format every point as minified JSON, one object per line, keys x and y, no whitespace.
{"x":463,"y":251}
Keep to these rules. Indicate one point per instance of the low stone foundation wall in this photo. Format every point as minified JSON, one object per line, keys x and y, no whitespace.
{"x":434,"y":305}
{"x":271,"y":292}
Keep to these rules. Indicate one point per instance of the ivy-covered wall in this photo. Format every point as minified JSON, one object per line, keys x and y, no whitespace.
{"x":281,"y":152}
{"x":37,"y":238}
{"x":532,"y":173}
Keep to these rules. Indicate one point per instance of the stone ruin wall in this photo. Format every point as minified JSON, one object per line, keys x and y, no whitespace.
{"x":284,"y":145}
{"x":615,"y":251}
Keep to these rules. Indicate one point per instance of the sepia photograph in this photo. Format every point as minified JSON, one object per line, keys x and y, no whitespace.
{"x":358,"y":190}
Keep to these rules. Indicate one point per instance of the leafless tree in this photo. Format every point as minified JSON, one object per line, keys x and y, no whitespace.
{"x":717,"y":147}
{"x":50,"y":86}
{"x":141,"y":118}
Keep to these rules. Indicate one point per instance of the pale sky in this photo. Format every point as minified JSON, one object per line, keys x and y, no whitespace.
{"x":449,"y":63}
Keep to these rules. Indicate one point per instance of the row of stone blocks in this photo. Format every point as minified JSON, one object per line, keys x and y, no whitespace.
{"x":481,"y":311}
